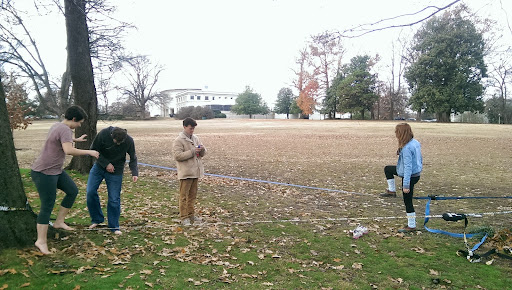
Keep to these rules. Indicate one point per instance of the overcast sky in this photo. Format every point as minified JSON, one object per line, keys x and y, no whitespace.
{"x":228,"y":44}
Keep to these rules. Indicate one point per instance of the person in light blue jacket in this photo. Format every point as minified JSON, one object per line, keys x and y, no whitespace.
{"x":409,"y":167}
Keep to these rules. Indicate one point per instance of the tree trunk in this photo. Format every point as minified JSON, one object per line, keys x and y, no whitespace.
{"x":17,"y":221}
{"x":80,"y":66}
{"x":64,"y":90}
{"x":443,"y":117}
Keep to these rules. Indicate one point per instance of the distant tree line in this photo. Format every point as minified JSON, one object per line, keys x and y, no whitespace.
{"x":441,"y":71}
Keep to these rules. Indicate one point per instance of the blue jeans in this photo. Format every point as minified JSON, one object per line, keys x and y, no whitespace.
{"x":114,"y":182}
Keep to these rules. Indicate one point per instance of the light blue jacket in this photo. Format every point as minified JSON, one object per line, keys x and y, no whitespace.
{"x":410,"y":162}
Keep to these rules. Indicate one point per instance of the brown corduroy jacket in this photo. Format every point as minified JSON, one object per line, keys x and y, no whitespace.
{"x":188,"y":163}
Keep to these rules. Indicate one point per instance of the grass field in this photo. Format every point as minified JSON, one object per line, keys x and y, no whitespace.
{"x":248,"y":240}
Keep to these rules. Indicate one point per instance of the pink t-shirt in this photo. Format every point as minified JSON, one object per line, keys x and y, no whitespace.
{"x":52,"y":156}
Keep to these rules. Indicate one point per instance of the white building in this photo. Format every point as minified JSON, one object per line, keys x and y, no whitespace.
{"x":181,"y":98}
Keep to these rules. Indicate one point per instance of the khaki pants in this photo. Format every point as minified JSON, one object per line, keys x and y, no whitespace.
{"x":188,"y":194}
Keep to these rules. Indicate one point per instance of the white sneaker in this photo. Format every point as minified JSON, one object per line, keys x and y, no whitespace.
{"x":186,"y":222}
{"x":359,"y":232}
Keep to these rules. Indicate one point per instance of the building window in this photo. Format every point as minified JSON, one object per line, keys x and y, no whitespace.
{"x":213,"y":98}
{"x":225,"y":98}
{"x":198,"y":97}
{"x":206,"y":98}
{"x":191,"y":97}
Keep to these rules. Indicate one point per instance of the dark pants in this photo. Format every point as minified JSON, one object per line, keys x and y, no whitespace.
{"x":47,"y":186}
{"x":390,"y":172}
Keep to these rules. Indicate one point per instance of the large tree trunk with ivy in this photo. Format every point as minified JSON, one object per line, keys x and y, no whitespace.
{"x":17,"y":221}
{"x":84,"y":91}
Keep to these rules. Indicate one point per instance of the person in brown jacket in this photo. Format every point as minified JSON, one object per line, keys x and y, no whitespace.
{"x":188,"y":152}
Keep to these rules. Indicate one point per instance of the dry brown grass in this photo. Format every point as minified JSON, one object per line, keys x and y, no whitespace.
{"x":459,"y":159}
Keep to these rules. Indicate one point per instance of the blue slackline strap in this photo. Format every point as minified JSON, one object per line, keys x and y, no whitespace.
{"x":427,"y":214}
{"x":435,"y":231}
{"x":259,"y":180}
{"x":435,"y":197}
{"x":479,"y":244}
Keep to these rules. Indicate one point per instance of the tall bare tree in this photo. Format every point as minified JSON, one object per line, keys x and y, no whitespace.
{"x":80,"y":67}
{"x":21,"y":51}
{"x":142,"y":76}
{"x":501,"y":78}
{"x":395,"y":97}
{"x":326,"y":52}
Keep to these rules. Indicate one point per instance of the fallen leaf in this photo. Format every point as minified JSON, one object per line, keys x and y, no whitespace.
{"x":433,"y":272}
{"x":358,"y":266}
{"x":24,"y":285}
{"x":418,"y":250}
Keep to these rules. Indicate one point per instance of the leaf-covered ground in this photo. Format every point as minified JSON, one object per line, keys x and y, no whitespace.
{"x":261,"y":235}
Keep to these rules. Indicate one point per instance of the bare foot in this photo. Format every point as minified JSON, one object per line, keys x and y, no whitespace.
{"x":43,"y":247}
{"x":93,"y":226}
{"x":118,"y":232}
{"x":63,"y":226}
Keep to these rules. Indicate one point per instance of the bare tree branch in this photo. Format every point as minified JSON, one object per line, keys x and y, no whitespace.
{"x":382,"y":24}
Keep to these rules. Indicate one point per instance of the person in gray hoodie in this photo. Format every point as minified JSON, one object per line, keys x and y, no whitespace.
{"x":188,"y":153}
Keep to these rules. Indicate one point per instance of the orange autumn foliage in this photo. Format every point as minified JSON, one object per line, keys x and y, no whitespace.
{"x":15,"y":98}
{"x":306,"y":100}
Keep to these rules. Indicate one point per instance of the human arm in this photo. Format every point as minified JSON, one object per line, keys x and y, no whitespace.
{"x":180,"y":152}
{"x":97,"y":145}
{"x":133,"y":160}
{"x":70,"y":150}
{"x":407,"y":159}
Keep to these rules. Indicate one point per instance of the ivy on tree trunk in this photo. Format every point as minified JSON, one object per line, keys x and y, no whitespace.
{"x":17,"y":227}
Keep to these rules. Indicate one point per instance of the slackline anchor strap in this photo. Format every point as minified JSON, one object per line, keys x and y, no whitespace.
{"x":8,"y":208}
{"x":469,"y":253}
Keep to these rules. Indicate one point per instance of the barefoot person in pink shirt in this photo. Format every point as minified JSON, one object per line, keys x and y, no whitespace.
{"x":48,"y":175}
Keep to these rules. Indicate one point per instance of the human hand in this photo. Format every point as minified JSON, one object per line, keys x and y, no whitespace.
{"x":94,"y":153}
{"x":81,"y":138}
{"x":406,"y":190}
{"x":110,"y":168}
{"x":135,"y":178}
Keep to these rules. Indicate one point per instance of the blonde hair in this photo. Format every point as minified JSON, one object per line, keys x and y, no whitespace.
{"x":404,"y":134}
